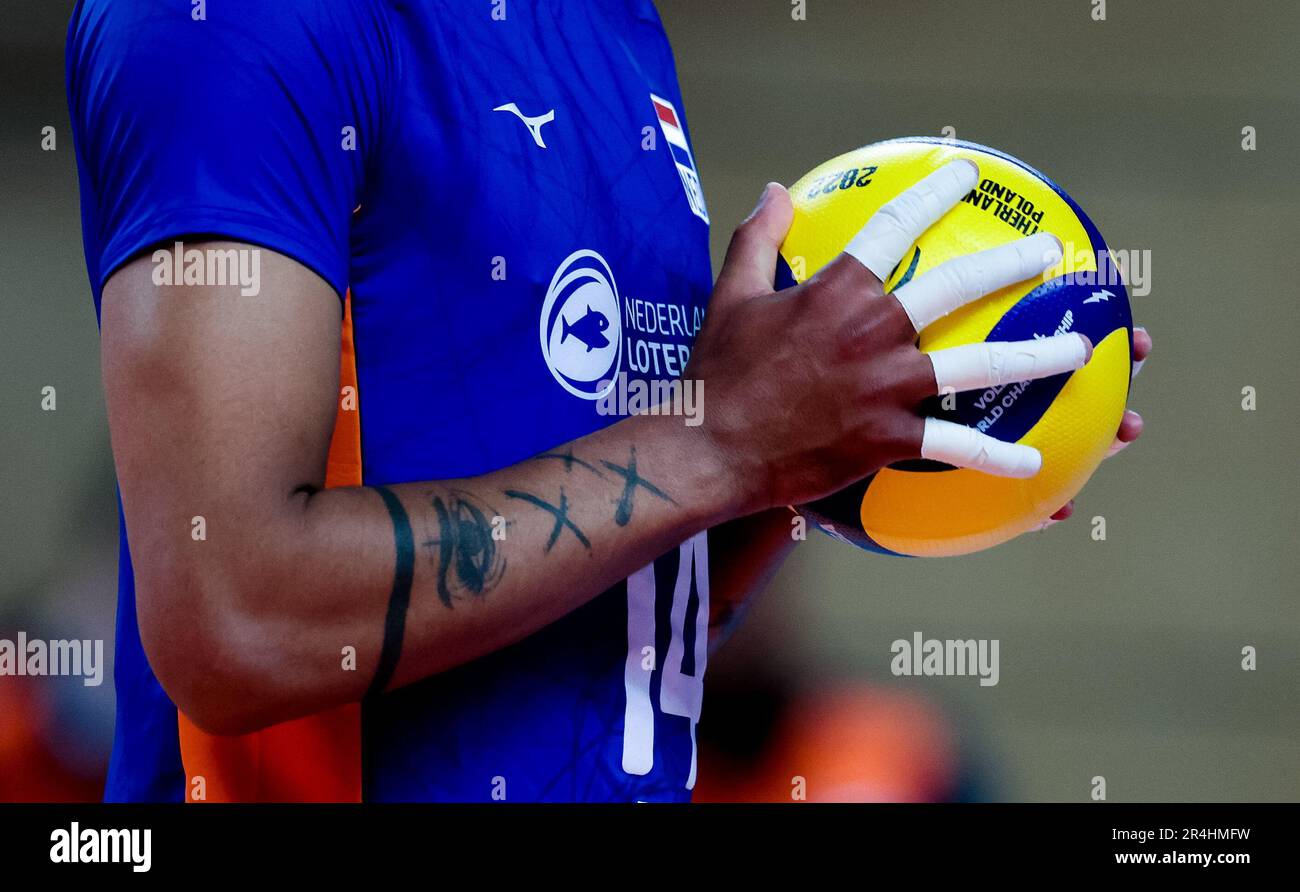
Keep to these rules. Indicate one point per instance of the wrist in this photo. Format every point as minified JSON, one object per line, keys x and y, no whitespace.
{"x":707,"y":483}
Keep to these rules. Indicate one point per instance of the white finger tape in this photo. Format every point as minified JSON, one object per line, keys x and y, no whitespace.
{"x":961,"y":280}
{"x":994,"y":363}
{"x":882,"y":242}
{"x":966,"y":447}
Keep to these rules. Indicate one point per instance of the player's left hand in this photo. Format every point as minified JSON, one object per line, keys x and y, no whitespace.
{"x":1130,"y":426}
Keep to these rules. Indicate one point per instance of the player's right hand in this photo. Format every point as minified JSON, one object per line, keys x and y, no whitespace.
{"x":816,"y":386}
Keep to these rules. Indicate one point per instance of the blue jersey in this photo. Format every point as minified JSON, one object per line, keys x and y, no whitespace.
{"x":507,"y":197}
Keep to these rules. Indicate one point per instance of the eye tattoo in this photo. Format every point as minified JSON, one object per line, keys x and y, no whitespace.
{"x":466,"y":555}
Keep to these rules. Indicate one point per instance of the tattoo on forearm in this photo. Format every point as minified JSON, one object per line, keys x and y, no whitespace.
{"x":466,"y":558}
{"x":465,"y":555}
{"x":569,"y":460}
{"x":631,"y":482}
{"x":559,"y":512}
{"x":399,"y":599}
{"x":623,"y":505}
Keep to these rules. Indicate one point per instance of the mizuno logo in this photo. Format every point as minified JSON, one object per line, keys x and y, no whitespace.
{"x":534,"y":125}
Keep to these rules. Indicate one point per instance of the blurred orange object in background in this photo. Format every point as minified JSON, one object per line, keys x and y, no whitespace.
{"x":30,"y":768}
{"x":851,"y":743}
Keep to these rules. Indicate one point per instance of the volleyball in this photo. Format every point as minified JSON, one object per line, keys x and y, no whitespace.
{"x":925,"y":508}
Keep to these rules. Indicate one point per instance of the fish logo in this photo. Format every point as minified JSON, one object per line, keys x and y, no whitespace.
{"x":581,"y":335}
{"x":587,"y":329}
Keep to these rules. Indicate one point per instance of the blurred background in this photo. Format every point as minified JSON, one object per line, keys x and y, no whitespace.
{"x":1119,"y":658}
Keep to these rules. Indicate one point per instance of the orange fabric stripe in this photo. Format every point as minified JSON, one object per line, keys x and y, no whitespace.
{"x":344,"y":468}
{"x":312,"y":759}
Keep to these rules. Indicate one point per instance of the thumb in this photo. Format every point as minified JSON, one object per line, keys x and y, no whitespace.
{"x":750,"y":265}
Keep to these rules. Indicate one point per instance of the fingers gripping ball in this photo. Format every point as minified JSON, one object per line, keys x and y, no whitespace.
{"x":931,"y":508}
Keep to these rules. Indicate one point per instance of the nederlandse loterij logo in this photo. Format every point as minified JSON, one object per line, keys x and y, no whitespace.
{"x":581,"y":335}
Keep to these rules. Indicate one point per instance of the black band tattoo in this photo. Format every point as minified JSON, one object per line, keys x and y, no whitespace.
{"x":464,"y":551}
{"x":631,"y":482}
{"x":560,"y":513}
{"x":399,"y":600}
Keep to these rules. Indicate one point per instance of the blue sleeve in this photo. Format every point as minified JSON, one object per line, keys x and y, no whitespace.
{"x":233,"y":126}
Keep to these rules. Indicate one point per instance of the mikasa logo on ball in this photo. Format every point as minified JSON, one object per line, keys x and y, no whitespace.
{"x":581,"y":334}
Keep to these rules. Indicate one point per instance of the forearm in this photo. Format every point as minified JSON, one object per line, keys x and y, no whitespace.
{"x":421,"y":577}
{"x":744,"y":555}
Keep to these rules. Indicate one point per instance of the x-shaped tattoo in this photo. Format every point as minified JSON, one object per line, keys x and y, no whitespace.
{"x":631,"y":481}
{"x":560,"y":513}
{"x":569,"y":460}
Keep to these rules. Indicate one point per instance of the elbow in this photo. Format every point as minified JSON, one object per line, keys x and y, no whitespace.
{"x":221,"y":719}
{"x":208,"y":646}
{"x":224,"y":715}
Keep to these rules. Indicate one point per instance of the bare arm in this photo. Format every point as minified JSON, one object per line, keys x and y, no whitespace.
{"x":221,"y":407}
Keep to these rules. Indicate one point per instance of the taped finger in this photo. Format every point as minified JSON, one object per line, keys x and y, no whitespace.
{"x":994,"y":363}
{"x":965,"y":447}
{"x":961,"y":280}
{"x":885,"y":238}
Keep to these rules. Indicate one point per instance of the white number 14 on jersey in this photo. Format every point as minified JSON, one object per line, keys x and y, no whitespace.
{"x":679,"y":694}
